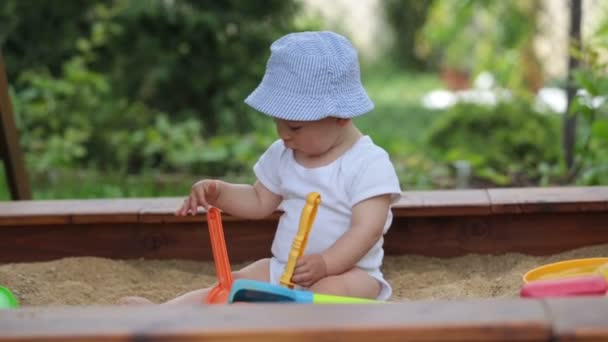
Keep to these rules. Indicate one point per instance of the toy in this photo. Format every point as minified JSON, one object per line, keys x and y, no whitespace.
{"x":577,"y":277}
{"x":307,"y":217}
{"x":568,"y":268}
{"x":591,"y":285}
{"x":7,"y":299}
{"x":219,"y":294}
{"x":245,"y":290}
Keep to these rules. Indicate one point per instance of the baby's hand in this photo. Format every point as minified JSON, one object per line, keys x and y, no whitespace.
{"x":203,"y":193}
{"x":309,"y":270}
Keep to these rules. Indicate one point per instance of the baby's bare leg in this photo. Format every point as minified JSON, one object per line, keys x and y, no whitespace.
{"x":352,"y":283}
{"x":259,"y":270}
{"x":134,"y":300}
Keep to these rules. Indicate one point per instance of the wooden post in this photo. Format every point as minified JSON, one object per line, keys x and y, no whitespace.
{"x":569,"y":123}
{"x":9,"y":144}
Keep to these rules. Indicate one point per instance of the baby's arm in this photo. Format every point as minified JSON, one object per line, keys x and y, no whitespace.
{"x":241,"y":200}
{"x":247,"y":201}
{"x":367,"y":227}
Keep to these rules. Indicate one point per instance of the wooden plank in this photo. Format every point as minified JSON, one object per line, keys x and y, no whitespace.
{"x":246,"y":241}
{"x":487,"y":320}
{"x":9,"y":144}
{"x":86,"y":206}
{"x":31,"y":221}
{"x":449,"y":203}
{"x":133,"y":228}
{"x":535,"y":234}
{"x":167,"y":216}
{"x":443,"y":203}
{"x":81,"y":211}
{"x":552,"y":199}
{"x":581,"y":320}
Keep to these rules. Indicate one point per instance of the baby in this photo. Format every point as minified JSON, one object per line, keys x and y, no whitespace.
{"x":312,"y":90}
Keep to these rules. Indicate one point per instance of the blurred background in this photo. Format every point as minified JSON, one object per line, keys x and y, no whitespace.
{"x":140,"y":98}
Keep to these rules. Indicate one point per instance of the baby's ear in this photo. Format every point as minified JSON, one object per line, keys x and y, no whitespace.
{"x":342,"y":121}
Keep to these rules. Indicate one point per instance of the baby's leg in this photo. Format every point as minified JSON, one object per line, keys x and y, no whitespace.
{"x":352,"y":283}
{"x":134,"y":300}
{"x":259,"y":270}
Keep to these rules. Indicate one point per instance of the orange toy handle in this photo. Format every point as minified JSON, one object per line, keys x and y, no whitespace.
{"x":309,"y":212}
{"x":220,"y":254}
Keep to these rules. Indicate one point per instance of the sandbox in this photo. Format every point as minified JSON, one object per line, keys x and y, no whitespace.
{"x":442,"y":247}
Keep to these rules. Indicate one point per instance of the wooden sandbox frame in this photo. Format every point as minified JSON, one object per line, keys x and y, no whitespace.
{"x":537,"y":221}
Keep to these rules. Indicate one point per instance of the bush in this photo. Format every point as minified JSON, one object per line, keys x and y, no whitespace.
{"x":506,"y":144}
{"x":74,"y":120}
{"x":131,"y":86}
{"x":590,"y":107}
{"x":189,"y":58}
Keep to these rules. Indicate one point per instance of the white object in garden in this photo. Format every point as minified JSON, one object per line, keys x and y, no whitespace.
{"x":483,"y":93}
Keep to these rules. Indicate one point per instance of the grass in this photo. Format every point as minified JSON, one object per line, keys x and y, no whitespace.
{"x":397,"y":123}
{"x":67,"y":184}
{"x":399,"y":120}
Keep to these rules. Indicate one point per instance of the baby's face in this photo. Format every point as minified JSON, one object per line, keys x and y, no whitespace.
{"x":311,"y":138}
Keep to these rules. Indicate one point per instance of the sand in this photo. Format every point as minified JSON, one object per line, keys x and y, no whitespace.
{"x":88,"y":280}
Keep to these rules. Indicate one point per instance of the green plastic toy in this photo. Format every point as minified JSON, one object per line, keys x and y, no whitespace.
{"x":7,"y":299}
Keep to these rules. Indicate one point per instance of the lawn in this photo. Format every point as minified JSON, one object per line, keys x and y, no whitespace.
{"x":399,"y":120}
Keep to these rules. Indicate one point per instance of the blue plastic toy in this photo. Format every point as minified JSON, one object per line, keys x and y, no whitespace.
{"x":245,"y":290}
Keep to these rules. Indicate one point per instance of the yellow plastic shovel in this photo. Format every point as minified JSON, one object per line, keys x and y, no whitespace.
{"x":309,"y":212}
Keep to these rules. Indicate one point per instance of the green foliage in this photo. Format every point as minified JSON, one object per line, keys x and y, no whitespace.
{"x":114,"y":97}
{"x":167,"y":159}
{"x":52,"y":114}
{"x":188,"y":57}
{"x":590,"y":105}
{"x":399,"y":120}
{"x":406,"y":17}
{"x":138,"y":85}
{"x":90,"y":183}
{"x":505,"y":144}
{"x":74,"y":120}
{"x":473,"y":36}
{"x":42,"y":34}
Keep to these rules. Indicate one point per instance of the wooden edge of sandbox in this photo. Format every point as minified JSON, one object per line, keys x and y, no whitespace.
{"x":411,"y":204}
{"x":572,"y":319}
{"x":535,"y":221}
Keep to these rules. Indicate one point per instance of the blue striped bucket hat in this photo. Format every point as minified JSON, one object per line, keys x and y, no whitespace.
{"x":310,"y":76}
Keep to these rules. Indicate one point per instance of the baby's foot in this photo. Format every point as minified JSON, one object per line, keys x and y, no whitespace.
{"x":134,"y":300}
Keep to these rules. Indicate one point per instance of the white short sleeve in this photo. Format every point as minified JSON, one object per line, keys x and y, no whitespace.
{"x":267,"y":168}
{"x":374,"y":175}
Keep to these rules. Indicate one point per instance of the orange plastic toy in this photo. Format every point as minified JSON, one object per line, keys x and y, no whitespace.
{"x":220,"y":293}
{"x":309,"y":212}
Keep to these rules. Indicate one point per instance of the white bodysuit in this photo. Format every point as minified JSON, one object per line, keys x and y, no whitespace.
{"x":363,"y":171}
